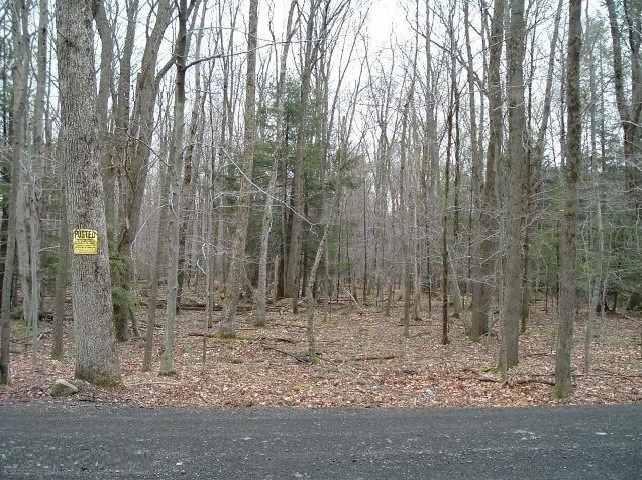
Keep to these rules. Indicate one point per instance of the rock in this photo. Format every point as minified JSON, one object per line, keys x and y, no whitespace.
{"x":62,"y":388}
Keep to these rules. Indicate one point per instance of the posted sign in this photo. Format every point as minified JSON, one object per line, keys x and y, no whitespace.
{"x":85,"y":242}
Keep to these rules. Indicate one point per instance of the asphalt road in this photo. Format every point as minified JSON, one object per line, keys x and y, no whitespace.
{"x":62,"y":440}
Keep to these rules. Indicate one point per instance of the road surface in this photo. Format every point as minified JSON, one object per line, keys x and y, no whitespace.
{"x":59,"y":440}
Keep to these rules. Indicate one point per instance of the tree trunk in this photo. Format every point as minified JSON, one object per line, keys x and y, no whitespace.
{"x":311,"y":302}
{"x":175,"y":195}
{"x":192,"y":161}
{"x":405,"y":214}
{"x":105,"y":86}
{"x":483,"y":284}
{"x":515,"y":175}
{"x":140,"y":129}
{"x":598,"y":287}
{"x":261,"y":288}
{"x":96,"y":359}
{"x":563,"y":381}
{"x":477,"y":188}
{"x":630,"y":111}
{"x":19,"y":73}
{"x":237,"y":271}
{"x":158,"y":256}
{"x":292,"y":273}
{"x":62,"y":279}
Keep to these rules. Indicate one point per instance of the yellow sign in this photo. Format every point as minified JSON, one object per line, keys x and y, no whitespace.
{"x":85,"y":242}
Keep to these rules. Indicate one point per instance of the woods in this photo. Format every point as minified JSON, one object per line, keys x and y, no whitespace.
{"x":467,"y":162}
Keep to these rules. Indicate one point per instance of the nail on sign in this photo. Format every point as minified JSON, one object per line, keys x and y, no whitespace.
{"x":85,"y":242}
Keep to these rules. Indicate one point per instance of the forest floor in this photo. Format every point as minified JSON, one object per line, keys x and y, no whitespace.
{"x":364,"y":361}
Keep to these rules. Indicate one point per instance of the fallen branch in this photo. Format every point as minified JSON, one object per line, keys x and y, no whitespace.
{"x":370,"y":358}
{"x":356,"y":304}
{"x":298,"y":359}
{"x":521,"y":381}
{"x":202,"y":334}
{"x":510,"y":382}
{"x":173,"y":384}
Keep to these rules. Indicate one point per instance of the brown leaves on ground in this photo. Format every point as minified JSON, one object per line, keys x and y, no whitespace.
{"x":364,"y":361}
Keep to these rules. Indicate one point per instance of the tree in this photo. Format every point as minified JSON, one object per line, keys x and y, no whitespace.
{"x":175,"y":165}
{"x":563,"y":382}
{"x":515,"y":163}
{"x":293,"y":273}
{"x":135,"y":163}
{"x":96,"y":359}
{"x":483,"y":281}
{"x":630,"y":110}
{"x":237,"y":272}
{"x":279,"y":158}
{"x":19,"y":73}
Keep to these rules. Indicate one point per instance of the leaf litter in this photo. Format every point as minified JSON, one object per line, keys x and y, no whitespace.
{"x":363,"y":361}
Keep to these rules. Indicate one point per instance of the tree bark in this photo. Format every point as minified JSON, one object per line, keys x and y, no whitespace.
{"x":293,"y":273}
{"x":139,"y":127}
{"x":563,"y":380}
{"x":62,"y":279}
{"x":105,"y":86}
{"x":630,"y":111}
{"x":175,"y":195}
{"x":483,"y":285}
{"x":96,"y":359}
{"x":515,"y":175}
{"x":19,"y":71}
{"x":259,"y":313}
{"x":237,"y":271}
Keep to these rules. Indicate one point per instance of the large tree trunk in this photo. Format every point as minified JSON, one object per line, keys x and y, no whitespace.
{"x":515,"y":175}
{"x":563,"y":381}
{"x":484,"y":279}
{"x":237,"y":271}
{"x":96,"y":359}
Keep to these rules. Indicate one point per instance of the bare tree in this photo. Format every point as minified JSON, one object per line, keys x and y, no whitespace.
{"x":96,"y":359}
{"x":260,"y":292}
{"x":483,"y":282}
{"x":175,"y":165}
{"x":566,"y":315}
{"x":630,"y":110}
{"x":515,"y":179}
{"x":237,"y":271}
{"x":19,"y":73}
